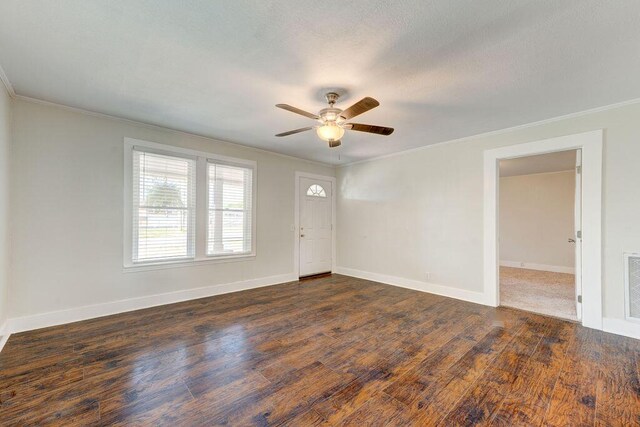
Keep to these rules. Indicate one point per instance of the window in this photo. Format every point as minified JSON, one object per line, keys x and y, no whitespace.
{"x":184,"y":206}
{"x":230,"y":201}
{"x":164,"y":207}
{"x":316,"y":190}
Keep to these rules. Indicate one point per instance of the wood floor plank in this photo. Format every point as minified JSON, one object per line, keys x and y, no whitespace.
{"x":527,"y":398}
{"x":379,"y":410}
{"x":332,"y":350}
{"x":573,"y":401}
{"x":347,"y":400}
{"x":617,"y":386}
{"x":478,"y":405}
{"x":153,"y":404}
{"x":307,"y":419}
{"x":442,"y":394}
{"x":277,"y":403}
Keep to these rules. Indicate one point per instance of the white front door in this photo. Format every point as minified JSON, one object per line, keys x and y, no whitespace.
{"x":315,"y":231}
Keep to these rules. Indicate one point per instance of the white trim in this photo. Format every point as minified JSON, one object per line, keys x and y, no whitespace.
{"x":315,"y":162}
{"x":37,"y":321}
{"x":201,"y":161}
{"x":186,"y":263}
{"x":416,"y":285}
{"x":621,"y":327}
{"x":296,"y":219}
{"x":498,"y":131}
{"x":591,"y":145}
{"x":539,"y":267}
{"x":7,"y":83}
{"x":4,"y":334}
{"x":165,"y":129}
{"x":537,"y":173}
{"x":172,"y":149}
{"x":249,"y":147}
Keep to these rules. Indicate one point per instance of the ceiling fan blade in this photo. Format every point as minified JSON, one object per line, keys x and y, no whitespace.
{"x":334,"y":144}
{"x":380,"y":130}
{"x":291,"y":132}
{"x":297,"y":111}
{"x":362,"y":106}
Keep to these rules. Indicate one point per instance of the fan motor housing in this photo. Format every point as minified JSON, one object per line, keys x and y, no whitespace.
{"x":330,"y":114}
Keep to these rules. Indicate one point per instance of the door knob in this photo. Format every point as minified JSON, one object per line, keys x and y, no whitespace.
{"x":571,"y":240}
{"x":302,"y":235}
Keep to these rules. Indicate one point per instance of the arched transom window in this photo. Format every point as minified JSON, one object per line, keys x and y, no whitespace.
{"x":316,"y":190}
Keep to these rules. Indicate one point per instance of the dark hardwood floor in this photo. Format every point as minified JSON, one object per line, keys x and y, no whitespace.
{"x":329,"y":351}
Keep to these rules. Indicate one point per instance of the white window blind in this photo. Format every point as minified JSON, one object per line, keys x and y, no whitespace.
{"x":164,"y":201}
{"x":230,"y":198}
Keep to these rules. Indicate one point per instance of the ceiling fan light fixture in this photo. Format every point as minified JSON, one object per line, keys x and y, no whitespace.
{"x":333,"y":121}
{"x":330,"y":131}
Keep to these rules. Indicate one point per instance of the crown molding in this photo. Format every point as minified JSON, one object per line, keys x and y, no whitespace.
{"x":165,"y":129}
{"x":498,"y":132}
{"x":7,"y":83}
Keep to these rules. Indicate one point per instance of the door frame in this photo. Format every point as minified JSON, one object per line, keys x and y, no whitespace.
{"x":591,"y":144}
{"x":296,"y":219}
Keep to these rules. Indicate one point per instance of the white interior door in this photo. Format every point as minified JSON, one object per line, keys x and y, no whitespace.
{"x":315,"y":231}
{"x":578,"y":232}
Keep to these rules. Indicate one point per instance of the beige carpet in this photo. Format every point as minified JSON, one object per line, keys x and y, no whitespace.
{"x":542,"y":292}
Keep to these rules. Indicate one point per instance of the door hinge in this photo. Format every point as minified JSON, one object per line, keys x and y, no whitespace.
{"x":580,"y":299}
{"x":578,"y":170}
{"x":579,"y":234}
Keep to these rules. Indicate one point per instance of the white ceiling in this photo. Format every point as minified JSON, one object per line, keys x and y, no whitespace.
{"x":441,"y":69}
{"x":542,"y":163}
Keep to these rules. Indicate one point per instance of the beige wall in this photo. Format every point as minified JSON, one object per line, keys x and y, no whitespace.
{"x":5,"y":155}
{"x":536,"y":220}
{"x":68,"y":212}
{"x":422,"y":211}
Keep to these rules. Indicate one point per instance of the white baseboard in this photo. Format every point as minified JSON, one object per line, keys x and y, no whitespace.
{"x":4,"y":334}
{"x":540,"y":267}
{"x":623,"y":327}
{"x":447,"y":291}
{"x":37,"y":321}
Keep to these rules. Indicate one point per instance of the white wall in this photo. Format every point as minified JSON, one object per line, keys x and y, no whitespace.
{"x":422,"y":211}
{"x":5,"y":155}
{"x":536,"y":220}
{"x":400,"y":216}
{"x":68,"y":212}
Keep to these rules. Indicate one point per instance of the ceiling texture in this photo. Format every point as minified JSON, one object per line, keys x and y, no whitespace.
{"x":441,"y":69}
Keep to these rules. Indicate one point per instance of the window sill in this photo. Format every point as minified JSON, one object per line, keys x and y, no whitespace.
{"x":133,"y":268}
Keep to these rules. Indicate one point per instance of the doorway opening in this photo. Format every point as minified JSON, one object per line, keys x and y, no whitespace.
{"x":314,"y":240}
{"x":590,"y":145}
{"x":540,"y":211}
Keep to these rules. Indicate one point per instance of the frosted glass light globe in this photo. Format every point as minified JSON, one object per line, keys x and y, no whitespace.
{"x":330,"y":132}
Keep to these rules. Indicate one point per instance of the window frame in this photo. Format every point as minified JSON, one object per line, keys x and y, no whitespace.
{"x":226,"y":162}
{"x":202,"y":159}
{"x":191,"y":248}
{"x":321,"y":194}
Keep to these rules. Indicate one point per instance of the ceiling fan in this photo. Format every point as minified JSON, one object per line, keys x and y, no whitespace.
{"x":333,"y":121}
